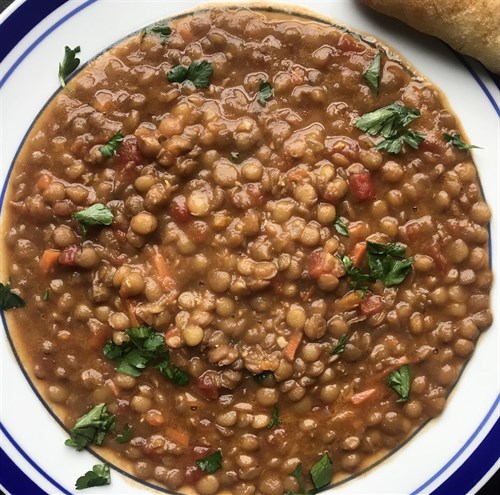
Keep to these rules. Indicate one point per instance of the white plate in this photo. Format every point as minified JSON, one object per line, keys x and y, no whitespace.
{"x":453,"y":454}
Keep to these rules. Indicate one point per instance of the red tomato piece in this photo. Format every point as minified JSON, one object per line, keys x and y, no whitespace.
{"x":179,"y":210}
{"x":207,"y":387}
{"x":68,"y":255}
{"x":128,"y":151}
{"x":362,"y":186}
{"x":371,"y":304}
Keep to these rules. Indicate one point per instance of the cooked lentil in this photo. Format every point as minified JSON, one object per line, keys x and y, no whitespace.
{"x":223,"y":240}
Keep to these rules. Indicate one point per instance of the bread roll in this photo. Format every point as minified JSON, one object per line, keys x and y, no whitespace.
{"x":471,"y":27}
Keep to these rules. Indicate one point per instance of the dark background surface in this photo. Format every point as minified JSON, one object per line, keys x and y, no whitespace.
{"x":491,"y":488}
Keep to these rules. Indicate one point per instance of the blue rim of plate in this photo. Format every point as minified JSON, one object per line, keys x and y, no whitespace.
{"x":16,"y":482}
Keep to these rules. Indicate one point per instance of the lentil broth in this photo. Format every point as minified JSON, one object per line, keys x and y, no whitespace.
{"x":225,"y":239}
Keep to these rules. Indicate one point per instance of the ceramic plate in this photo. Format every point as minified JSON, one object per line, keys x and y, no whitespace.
{"x":453,"y":454}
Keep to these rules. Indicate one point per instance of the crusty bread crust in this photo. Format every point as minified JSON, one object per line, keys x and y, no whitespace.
{"x":471,"y":27}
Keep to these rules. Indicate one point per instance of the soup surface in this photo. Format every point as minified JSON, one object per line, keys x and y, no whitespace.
{"x":252,"y":250}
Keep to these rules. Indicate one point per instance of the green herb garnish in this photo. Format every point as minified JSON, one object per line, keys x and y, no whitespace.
{"x":125,"y":434}
{"x":456,"y":140}
{"x":172,"y":372}
{"x":261,"y":376}
{"x":9,"y":299}
{"x":275,"y":418}
{"x":341,"y":227}
{"x":297,"y":474}
{"x":99,"y":476}
{"x":97,"y":214}
{"x":400,"y":382}
{"x":109,"y":149}
{"x":339,"y":348}
{"x":68,"y":65}
{"x":390,"y":122}
{"x":235,"y":157}
{"x":372,"y":74}
{"x":321,"y":473}
{"x":265,"y":92}
{"x":199,"y":73}
{"x":162,"y":31}
{"x":45,"y":296}
{"x":211,"y":463}
{"x":91,"y":428}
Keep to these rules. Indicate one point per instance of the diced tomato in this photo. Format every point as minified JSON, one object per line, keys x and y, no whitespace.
{"x":207,"y":387}
{"x":349,"y":44}
{"x":199,"y":452}
{"x":432,"y":146}
{"x":435,"y":253}
{"x":192,"y":474}
{"x":68,"y":255}
{"x":362,"y":186}
{"x":322,"y":263}
{"x":128,"y":151}
{"x":371,"y":304}
{"x":179,"y":210}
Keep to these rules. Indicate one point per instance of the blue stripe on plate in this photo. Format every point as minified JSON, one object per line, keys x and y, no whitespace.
{"x":28,"y":15}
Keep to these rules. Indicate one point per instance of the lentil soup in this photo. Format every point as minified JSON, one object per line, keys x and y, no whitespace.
{"x":256,"y":250}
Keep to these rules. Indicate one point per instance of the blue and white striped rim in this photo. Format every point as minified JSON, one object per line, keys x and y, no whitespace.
{"x":14,"y":481}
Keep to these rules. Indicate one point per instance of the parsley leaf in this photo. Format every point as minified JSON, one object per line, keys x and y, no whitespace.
{"x":341,"y":227}
{"x":235,"y":157}
{"x":400,"y":382}
{"x":91,"y":428}
{"x":394,"y":144}
{"x":68,"y":65}
{"x":163,"y":31}
{"x":321,"y":473}
{"x":456,"y":140}
{"x":99,"y":476}
{"x":372,"y":74}
{"x":45,"y":296}
{"x":275,"y":418}
{"x":97,"y":214}
{"x":339,"y":348}
{"x":261,"y":376}
{"x":388,"y":120}
{"x":199,"y":73}
{"x":265,"y":92}
{"x":125,"y":434}
{"x":359,"y":280}
{"x":297,"y":474}
{"x":387,"y":262}
{"x":109,"y":149}
{"x":211,"y":463}
{"x":9,"y":299}
{"x":173,"y":372}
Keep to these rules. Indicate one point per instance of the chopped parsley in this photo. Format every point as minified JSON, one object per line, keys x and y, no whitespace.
{"x":45,"y":296}
{"x":275,"y":418}
{"x":339,"y":348}
{"x":341,"y":227}
{"x":199,"y":73}
{"x":265,"y":92}
{"x":390,"y":122}
{"x":91,"y":428}
{"x":9,"y":299}
{"x":261,"y":376}
{"x":297,"y":474}
{"x":456,"y":140}
{"x":109,"y":149}
{"x":235,"y":157}
{"x":162,"y":31}
{"x":125,"y":435}
{"x":144,"y":346}
{"x":386,"y":263}
{"x":211,"y":463}
{"x":400,"y":382}
{"x":372,"y":74}
{"x":99,"y":476}
{"x":97,"y":214}
{"x":68,"y":65}
{"x":321,"y":473}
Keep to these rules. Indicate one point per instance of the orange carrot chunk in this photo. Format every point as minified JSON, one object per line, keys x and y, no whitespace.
{"x":292,"y":346}
{"x":180,"y":437}
{"x":48,"y":260}
{"x":358,"y":253}
{"x":362,"y":397}
{"x":350,"y":301}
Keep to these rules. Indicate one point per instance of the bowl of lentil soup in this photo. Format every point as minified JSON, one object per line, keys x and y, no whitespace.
{"x":256,"y":251}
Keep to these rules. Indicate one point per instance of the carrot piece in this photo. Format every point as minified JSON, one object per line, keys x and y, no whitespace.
{"x":358,"y":253}
{"x":154,"y":418}
{"x":186,"y":34}
{"x":162,"y":269}
{"x":362,"y":397}
{"x":181,"y":437}
{"x":292,"y":346}
{"x":371,"y":304}
{"x":48,"y":260}
{"x":43,"y":182}
{"x":173,"y":338}
{"x":131,"y":313}
{"x":350,"y":301}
